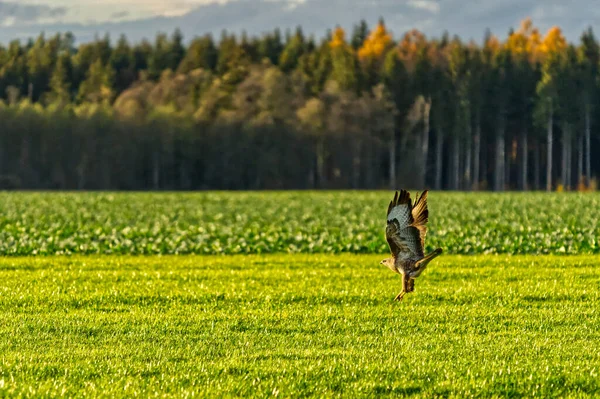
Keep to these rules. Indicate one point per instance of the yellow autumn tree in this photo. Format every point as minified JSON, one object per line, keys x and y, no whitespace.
{"x":554,"y":42}
{"x":338,"y":40}
{"x":412,"y":43}
{"x":533,"y":45}
{"x":525,"y":41}
{"x":377,"y":44}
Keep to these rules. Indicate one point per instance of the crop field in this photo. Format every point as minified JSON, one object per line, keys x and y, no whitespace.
{"x":296,"y":222}
{"x":281,"y":294}
{"x":298,"y":326}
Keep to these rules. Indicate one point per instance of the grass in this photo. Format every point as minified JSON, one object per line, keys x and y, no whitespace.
{"x":297,"y":326}
{"x":289,"y":222}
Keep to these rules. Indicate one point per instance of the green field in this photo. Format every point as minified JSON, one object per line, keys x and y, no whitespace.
{"x":290,"y":222}
{"x":153,"y":294}
{"x":298,"y":325}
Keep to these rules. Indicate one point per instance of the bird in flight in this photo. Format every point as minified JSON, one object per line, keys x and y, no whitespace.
{"x":405,"y":233}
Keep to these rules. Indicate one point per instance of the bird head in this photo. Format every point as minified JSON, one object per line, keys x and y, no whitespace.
{"x":389,"y":262}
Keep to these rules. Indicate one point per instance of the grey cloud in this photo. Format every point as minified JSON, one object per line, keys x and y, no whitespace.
{"x":120,"y":14}
{"x":28,"y":13}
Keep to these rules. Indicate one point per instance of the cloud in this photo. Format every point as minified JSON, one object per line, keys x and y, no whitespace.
{"x":469,"y":20}
{"x":120,"y":15}
{"x":431,"y":6}
{"x":12,"y":13}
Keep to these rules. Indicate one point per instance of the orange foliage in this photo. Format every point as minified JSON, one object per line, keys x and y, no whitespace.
{"x":378,"y":42}
{"x":493,"y":44}
{"x":339,"y":38}
{"x":554,"y":42}
{"x":411,"y":42}
{"x":526,"y":41}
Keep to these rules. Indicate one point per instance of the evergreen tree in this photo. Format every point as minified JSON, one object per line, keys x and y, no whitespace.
{"x":98,"y":86}
{"x":552,"y":51}
{"x":60,"y":82}
{"x":176,"y":50}
{"x":292,"y":52}
{"x":122,"y":61}
{"x":345,"y":69}
{"x":359,"y":35}
{"x":589,"y":64}
{"x":201,"y":54}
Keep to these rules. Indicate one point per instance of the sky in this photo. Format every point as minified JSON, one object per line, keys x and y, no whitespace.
{"x":140,"y":19}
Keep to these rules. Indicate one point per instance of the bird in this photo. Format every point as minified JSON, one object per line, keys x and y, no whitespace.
{"x":405,"y":233}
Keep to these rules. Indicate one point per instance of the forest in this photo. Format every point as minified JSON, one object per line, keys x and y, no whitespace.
{"x":364,"y":110}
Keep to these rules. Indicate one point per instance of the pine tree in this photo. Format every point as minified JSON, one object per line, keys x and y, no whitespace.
{"x":552,"y":51}
{"x":359,"y":35}
{"x":292,"y":52}
{"x":122,"y":61}
{"x":396,"y":81}
{"x":201,"y":54}
{"x":98,"y":86}
{"x":345,"y":67}
{"x":60,"y":82}
{"x":589,"y":63}
{"x":176,"y":50}
{"x":523,"y":45}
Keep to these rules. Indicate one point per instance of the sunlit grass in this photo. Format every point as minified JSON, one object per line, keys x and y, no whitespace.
{"x":297,"y":326}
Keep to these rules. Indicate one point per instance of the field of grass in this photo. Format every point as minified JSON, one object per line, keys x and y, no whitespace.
{"x":290,"y":222}
{"x":296,"y":325}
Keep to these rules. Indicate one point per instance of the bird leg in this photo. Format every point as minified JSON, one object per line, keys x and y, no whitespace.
{"x":405,"y":285}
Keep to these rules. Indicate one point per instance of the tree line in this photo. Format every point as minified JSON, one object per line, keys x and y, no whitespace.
{"x":287,"y":111}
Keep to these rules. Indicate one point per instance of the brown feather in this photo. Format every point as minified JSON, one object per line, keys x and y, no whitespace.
{"x":420,"y":215}
{"x":407,"y":238}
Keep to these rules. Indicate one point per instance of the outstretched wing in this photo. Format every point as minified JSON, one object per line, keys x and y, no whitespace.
{"x":420,"y":215}
{"x":405,"y":231}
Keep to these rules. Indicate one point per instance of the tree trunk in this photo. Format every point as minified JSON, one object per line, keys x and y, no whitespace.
{"x":523,"y":179}
{"x":536,"y":165}
{"x":565,"y":158}
{"x":369,"y":164}
{"x":468,"y":183}
{"x":393,"y":160}
{"x":469,"y":150}
{"x":155,"y":169}
{"x":184,"y":177}
{"x":549,"y":149}
{"x":588,"y":128}
{"x":476,"y":153}
{"x":570,"y":163}
{"x":356,"y":164}
{"x":580,"y":177}
{"x":424,"y":144}
{"x":507,"y":162}
{"x":320,"y":163}
{"x":439,"y":146}
{"x":499,"y":167}
{"x":25,"y":162}
{"x":82,"y":171}
{"x":456,"y":163}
